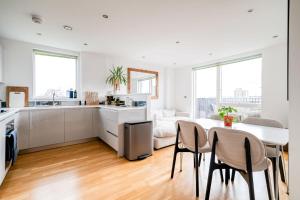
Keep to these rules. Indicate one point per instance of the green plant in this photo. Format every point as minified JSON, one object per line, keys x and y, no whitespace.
{"x":225,"y":110}
{"x":116,"y":77}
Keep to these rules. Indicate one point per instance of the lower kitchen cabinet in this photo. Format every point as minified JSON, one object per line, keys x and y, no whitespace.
{"x":79,"y":124}
{"x":2,"y":152}
{"x":97,"y":125}
{"x":46,"y":127}
{"x":23,"y":129}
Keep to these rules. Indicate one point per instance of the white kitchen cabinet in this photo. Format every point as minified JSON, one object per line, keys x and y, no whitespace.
{"x":79,"y":124}
{"x":22,"y":124}
{"x":2,"y":151}
{"x":97,"y":125}
{"x":1,"y":63}
{"x":112,"y":121}
{"x":4,"y":166}
{"x":46,"y":127}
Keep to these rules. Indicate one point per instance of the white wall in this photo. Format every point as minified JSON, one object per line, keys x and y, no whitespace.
{"x":274,"y":83}
{"x":94,"y":68}
{"x":183,"y":89}
{"x":274,"y":90}
{"x":18,"y":63}
{"x":94,"y":71}
{"x":294,"y":100}
{"x":169,"y":88}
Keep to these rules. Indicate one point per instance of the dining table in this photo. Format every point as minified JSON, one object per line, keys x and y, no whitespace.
{"x":268,"y":135}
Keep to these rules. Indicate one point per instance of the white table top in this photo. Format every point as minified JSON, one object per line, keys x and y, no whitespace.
{"x":277,"y":136}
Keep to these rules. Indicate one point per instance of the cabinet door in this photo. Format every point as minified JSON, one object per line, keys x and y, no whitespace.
{"x":23,"y":129}
{"x":78,"y":124}
{"x":46,"y":127}
{"x":1,"y":64}
{"x":97,"y":125}
{"x":2,"y":152}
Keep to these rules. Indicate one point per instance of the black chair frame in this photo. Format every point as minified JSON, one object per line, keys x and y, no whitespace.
{"x":248,"y":174}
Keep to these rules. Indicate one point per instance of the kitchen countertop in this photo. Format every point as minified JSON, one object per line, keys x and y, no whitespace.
{"x":82,"y":106}
{"x":10,"y":111}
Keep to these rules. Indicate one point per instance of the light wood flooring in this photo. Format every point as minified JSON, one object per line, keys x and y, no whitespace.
{"x":93,"y":171}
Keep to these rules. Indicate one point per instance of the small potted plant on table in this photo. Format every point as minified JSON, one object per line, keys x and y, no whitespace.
{"x":224,"y":112}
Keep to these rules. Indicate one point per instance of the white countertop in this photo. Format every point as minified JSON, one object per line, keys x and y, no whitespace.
{"x":10,"y":111}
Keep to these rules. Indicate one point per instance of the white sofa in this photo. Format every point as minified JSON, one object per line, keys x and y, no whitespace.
{"x":164,"y":128}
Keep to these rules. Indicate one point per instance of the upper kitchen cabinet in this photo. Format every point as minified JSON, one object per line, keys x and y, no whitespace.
{"x":1,"y":63}
{"x":46,"y":127}
{"x":79,"y":124}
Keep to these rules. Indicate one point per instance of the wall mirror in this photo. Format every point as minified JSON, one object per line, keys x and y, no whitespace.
{"x":142,"y":81}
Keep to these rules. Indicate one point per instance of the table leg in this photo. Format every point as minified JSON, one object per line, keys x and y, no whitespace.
{"x":276,"y":177}
{"x":288,"y":175}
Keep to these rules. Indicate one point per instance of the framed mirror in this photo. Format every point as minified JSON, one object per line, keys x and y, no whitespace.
{"x":142,"y":81}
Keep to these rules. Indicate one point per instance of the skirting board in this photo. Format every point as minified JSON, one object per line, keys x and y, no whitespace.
{"x":35,"y":149}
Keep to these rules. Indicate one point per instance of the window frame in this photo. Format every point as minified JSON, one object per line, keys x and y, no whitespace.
{"x":218,"y":66}
{"x":55,"y":54}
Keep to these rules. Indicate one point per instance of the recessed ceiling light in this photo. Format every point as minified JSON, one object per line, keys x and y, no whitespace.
{"x":68,"y":28}
{"x":39,"y":34}
{"x":36,"y":19}
{"x":177,"y":42}
{"x":275,"y":36}
{"x":105,"y":16}
{"x":85,"y":44}
{"x":250,"y":10}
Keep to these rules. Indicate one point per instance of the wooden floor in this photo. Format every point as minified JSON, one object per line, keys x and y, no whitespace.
{"x":93,"y":171}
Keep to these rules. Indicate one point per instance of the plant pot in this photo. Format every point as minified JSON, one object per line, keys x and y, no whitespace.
{"x":228,"y":121}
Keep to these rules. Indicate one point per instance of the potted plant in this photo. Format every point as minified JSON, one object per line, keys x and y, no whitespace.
{"x":224,"y":114}
{"x":116,"y":77}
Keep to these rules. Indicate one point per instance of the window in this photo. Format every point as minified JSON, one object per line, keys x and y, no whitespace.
{"x":236,"y":83}
{"x":241,"y":82}
{"x":54,"y":73}
{"x":206,"y":91}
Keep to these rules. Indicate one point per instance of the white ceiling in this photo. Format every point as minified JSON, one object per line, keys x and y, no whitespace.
{"x":149,"y":28}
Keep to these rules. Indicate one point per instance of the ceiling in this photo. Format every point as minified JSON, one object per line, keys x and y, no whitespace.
{"x":148,"y":30}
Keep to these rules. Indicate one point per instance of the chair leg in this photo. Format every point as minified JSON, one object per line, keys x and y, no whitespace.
{"x":282,"y":172}
{"x":200,"y":155}
{"x":197,"y":176}
{"x":232,"y":175}
{"x":251,"y":186}
{"x":268,"y":184}
{"x":274,"y":171}
{"x":210,"y":175}
{"x":175,"y":151}
{"x":196,"y":161}
{"x":174,"y":162}
{"x":227,"y":176}
{"x":203,"y":157}
{"x":181,"y":155}
{"x":221,"y":172}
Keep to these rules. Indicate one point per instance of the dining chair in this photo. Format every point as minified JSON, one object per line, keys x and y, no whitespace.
{"x":238,"y":150}
{"x":191,"y":137}
{"x":271,"y":149}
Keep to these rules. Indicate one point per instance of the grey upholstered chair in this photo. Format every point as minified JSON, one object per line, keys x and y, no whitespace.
{"x":271,"y":150}
{"x":240,"y":151}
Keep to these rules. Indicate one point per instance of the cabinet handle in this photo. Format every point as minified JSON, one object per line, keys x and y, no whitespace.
{"x":111,"y":133}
